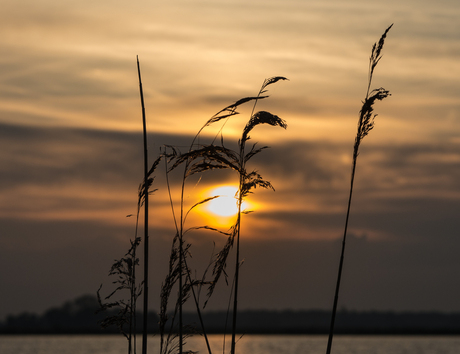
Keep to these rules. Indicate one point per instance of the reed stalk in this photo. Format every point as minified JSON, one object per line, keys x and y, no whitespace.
{"x":365,"y":125}
{"x":242,"y":165}
{"x":125,"y":268}
{"x":146,"y":217}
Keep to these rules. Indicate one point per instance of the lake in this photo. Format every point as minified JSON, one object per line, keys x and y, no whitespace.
{"x":248,"y":344}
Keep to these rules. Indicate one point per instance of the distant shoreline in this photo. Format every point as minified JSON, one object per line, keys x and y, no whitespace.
{"x":81,"y":316}
{"x":258,"y":322}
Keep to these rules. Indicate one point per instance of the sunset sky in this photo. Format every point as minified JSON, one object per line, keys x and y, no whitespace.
{"x":71,"y":145}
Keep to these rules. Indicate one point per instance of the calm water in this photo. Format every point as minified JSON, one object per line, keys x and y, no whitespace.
{"x":249,"y":344}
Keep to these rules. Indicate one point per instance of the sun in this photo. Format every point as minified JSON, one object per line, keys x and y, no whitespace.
{"x":226,"y":204}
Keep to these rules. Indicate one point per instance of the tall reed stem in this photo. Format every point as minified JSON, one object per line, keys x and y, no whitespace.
{"x":146,"y":218}
{"x":238,"y":231}
{"x":365,"y":125}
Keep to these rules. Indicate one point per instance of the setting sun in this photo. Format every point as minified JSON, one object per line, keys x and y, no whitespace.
{"x":226,"y":204}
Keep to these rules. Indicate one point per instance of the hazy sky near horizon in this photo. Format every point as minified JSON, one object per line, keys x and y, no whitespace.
{"x":71,"y":146}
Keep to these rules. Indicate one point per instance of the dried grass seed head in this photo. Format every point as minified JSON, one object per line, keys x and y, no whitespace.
{"x":262,"y":117}
{"x":377,"y":49}
{"x":270,"y":81}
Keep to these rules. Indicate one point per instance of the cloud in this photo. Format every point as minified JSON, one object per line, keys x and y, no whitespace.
{"x":71,"y":173}
{"x":79,"y":66}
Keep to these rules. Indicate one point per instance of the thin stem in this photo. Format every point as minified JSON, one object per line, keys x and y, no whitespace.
{"x":181,"y":262}
{"x":238,"y":229}
{"x":238,"y":226}
{"x":146,"y":217}
{"x":171,"y":203}
{"x":237,"y":271}
{"x":200,"y":317}
{"x":181,"y":256}
{"x":132,"y":322}
{"x":339,"y":276}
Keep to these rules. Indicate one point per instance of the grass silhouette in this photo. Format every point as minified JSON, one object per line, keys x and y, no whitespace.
{"x":197,"y":161}
{"x":145,"y":196}
{"x":365,"y":125}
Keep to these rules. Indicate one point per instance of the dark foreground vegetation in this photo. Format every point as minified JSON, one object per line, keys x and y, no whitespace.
{"x":79,"y":317}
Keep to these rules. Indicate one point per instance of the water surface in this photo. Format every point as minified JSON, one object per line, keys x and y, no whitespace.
{"x":248,"y":344}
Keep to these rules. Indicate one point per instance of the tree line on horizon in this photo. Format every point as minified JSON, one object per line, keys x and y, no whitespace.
{"x":80,"y":316}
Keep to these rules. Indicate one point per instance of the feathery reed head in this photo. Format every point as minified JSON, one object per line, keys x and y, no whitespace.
{"x":376,"y":50}
{"x":230,"y":110}
{"x":262,"y":117}
{"x":366,"y":121}
{"x":366,"y":116}
{"x":270,"y":81}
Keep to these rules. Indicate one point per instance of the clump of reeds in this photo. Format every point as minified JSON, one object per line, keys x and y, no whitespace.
{"x":365,"y":125}
{"x":198,"y":160}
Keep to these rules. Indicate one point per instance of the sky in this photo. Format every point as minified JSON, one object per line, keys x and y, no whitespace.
{"x":71,"y":146}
